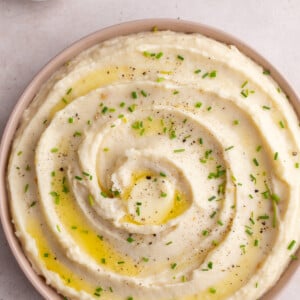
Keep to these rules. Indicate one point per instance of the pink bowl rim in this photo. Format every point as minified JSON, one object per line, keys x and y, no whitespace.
{"x":67,"y":54}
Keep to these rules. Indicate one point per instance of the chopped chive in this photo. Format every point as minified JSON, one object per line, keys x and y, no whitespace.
{"x":58,"y":228}
{"x":104,"y":109}
{"x":297,"y":165}
{"x":173,"y":266}
{"x":245,"y":93}
{"x":46,"y":254}
{"x":130,"y":239}
{"x":103,"y":194}
{"x":291,"y":245}
{"x":213,"y":214}
{"x":255,"y":243}
{"x":172,"y":135}
{"x":33,"y":203}
{"x":69,"y":91}
{"x":55,"y":196}
{"x":198,"y":104}
{"x":145,"y":259}
{"x":214,"y":243}
{"x":77,"y":133}
{"x":213,"y":74}
{"x":266,"y":194}
{"x":180,"y":57}
{"x":175,"y":92}
{"x":276,"y":156}
{"x":253,"y":178}
{"x":263,"y":217}
{"x":251,"y":219}
{"x":210,"y":265}
{"x":244,"y":84}
{"x":162,"y":194}
{"x":160,"y":79}
{"x":91,"y":200}
{"x":138,"y":211}
{"x":248,"y":231}
{"x":122,"y":104}
{"x":54,"y":150}
{"x":144,"y":93}
{"x":162,"y":174}
{"x":275,"y":197}
{"x":121,"y":262}
{"x":197,"y":71}
{"x":205,"y":232}
{"x":258,"y":148}
{"x":178,"y":150}
{"x":229,"y":148}
{"x":78,"y":177}
{"x":70,"y":120}
{"x":266,"y":107}
{"x":212,"y":290}
{"x":132,"y":108}
{"x":134,"y":95}
{"x":242,"y":247}
{"x":200,"y":141}
{"x":205,"y":75}
{"x":159,"y":55}
{"x":236,"y":122}
{"x":255,"y":162}
{"x":220,"y":223}
{"x":281,"y":124}
{"x":146,"y":53}
{"x":169,"y":243}
{"x":266,"y":72}
{"x":105,"y":149}
{"x":274,"y":221}
{"x":212,"y":198}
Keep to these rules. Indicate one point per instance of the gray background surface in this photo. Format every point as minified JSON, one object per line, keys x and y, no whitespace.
{"x":33,"y":32}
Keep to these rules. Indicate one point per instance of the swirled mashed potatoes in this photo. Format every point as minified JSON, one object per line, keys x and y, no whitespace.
{"x":158,"y":166}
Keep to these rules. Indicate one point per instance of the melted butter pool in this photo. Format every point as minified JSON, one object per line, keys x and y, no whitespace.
{"x":151,"y":199}
{"x":86,"y":237}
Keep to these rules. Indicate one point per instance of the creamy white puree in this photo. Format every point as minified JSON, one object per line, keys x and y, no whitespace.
{"x":158,"y":166}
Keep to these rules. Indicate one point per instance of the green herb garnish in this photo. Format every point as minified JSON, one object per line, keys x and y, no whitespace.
{"x":291,"y":245}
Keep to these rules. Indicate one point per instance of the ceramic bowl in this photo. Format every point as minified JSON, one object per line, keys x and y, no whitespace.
{"x":67,"y":54}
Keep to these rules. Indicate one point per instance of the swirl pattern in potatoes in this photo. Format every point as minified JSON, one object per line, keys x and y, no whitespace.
{"x":158,"y":166}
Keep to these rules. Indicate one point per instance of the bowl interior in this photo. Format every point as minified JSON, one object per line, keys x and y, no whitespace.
{"x":99,"y":36}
